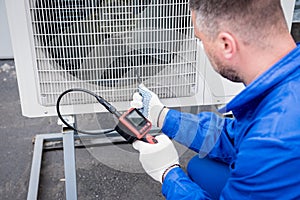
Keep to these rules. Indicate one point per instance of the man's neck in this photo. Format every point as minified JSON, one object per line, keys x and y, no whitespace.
{"x":257,"y":61}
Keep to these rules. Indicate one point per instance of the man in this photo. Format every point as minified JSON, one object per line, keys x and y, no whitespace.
{"x":246,"y":41}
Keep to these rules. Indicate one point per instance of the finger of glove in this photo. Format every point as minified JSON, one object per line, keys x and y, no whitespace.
{"x":148,"y":96}
{"x":137,"y":97}
{"x":136,"y":104}
{"x":146,"y":103}
{"x":166,"y":142}
{"x":143,"y":87}
{"x":163,"y":139}
{"x":143,"y":90}
{"x":137,"y":101}
{"x":146,"y":148}
{"x":140,"y":145}
{"x":135,"y":145}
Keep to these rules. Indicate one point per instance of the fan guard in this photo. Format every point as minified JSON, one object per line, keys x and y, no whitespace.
{"x":103,"y":45}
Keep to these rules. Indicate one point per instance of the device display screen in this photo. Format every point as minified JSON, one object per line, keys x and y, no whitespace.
{"x":137,"y":119}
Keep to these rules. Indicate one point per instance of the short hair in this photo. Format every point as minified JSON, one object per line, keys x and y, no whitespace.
{"x":252,"y":20}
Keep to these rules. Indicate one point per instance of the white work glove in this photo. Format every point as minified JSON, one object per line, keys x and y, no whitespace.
{"x":148,"y":103}
{"x":157,"y":159}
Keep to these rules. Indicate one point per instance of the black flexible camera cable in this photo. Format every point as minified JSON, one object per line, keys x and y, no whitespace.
{"x":103,"y":102}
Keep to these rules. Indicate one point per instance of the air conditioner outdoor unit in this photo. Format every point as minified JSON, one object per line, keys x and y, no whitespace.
{"x":106,"y":46}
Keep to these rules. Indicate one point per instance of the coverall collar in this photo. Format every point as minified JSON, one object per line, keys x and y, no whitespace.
{"x":265,"y":82}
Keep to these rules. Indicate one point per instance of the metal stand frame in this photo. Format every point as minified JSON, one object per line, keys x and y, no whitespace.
{"x":69,"y":164}
{"x":68,"y":139}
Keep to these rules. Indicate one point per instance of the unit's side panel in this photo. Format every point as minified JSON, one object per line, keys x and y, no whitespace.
{"x":23,"y":55}
{"x":288,"y":8}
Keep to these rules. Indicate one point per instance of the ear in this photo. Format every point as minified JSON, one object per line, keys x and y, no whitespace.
{"x":228,"y":45}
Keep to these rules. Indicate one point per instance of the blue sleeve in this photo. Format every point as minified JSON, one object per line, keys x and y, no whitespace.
{"x":177,"y":186}
{"x":206,"y":133}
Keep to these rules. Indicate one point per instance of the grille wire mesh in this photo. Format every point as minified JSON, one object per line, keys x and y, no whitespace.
{"x":108,"y":46}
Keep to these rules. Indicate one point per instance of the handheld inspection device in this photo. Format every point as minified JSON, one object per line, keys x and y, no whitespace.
{"x":132,"y":125}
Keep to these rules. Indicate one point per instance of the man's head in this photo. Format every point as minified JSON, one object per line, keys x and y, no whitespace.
{"x":228,"y":27}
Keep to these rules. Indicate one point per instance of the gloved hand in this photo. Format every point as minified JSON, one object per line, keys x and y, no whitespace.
{"x":157,"y":158}
{"x":149,"y":103}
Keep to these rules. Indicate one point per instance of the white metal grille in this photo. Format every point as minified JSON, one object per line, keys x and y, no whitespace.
{"x":105,"y":45}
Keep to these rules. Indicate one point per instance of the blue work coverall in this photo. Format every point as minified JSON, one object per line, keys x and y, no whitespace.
{"x":261,"y":144}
